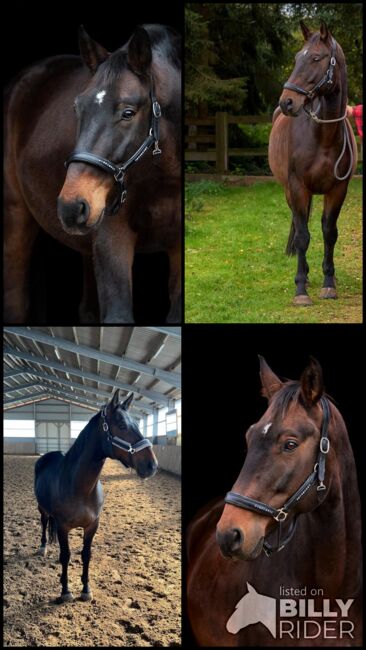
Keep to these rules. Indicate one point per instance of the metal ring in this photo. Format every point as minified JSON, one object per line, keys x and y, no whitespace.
{"x":281,"y":515}
{"x":333,"y":61}
{"x":132,"y":450}
{"x":156,"y":109}
{"x":321,"y":445}
{"x":105,"y":426}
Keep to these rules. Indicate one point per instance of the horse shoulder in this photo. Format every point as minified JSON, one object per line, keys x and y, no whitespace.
{"x":202,"y":526}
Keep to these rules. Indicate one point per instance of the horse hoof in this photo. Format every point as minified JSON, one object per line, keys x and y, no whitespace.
{"x":328,"y":292}
{"x":67,"y":598}
{"x":303,"y":300}
{"x":42,"y":551}
{"x":86,"y":596}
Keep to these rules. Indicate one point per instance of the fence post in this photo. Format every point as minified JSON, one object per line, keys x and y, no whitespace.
{"x":221,"y":143}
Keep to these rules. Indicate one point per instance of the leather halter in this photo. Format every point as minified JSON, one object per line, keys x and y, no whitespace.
{"x":280,"y":514}
{"x":123,"y":444}
{"x":118,"y":171}
{"x":327,"y":79}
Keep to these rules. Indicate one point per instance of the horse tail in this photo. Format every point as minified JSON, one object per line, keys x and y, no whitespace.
{"x":290,"y":248}
{"x":52,"y":530}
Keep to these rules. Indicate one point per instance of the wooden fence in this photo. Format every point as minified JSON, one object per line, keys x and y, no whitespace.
{"x":208,"y":139}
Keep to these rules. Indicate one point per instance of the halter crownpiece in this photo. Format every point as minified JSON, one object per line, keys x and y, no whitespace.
{"x":122,"y":444}
{"x":119,"y":171}
{"x":280,"y":514}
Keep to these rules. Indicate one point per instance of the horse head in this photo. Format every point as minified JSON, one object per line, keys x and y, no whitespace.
{"x":123,"y":440}
{"x":315,"y":73}
{"x":283,"y":452}
{"x":114,"y":119}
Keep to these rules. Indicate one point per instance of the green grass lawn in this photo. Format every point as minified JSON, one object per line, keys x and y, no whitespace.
{"x":236,"y":270}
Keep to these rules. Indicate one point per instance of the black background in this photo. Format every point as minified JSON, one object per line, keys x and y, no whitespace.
{"x":32,"y":31}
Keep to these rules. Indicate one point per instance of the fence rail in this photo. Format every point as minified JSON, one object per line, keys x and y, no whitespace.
{"x":214,"y":131}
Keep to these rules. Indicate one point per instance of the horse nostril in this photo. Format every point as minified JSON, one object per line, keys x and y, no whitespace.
{"x":237,"y":539}
{"x":82,"y":212}
{"x":288,"y":103}
{"x":230,"y":541}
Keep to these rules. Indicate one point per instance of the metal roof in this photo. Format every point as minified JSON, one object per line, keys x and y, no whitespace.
{"x":84,"y":365}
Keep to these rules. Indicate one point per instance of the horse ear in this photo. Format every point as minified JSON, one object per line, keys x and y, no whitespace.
{"x":127,"y":403}
{"x":306,"y":32}
{"x":115,"y":399}
{"x":270,"y":382}
{"x":91,"y":52}
{"x":139,"y":51}
{"x":312,"y":387}
{"x":324,"y":32}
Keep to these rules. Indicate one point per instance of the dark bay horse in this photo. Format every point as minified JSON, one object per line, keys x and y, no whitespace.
{"x":292,"y":521}
{"x":115,"y":120}
{"x":67,"y":487}
{"x":314,"y":151}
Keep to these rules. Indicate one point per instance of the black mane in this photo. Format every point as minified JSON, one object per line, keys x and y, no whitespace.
{"x":80,"y":442}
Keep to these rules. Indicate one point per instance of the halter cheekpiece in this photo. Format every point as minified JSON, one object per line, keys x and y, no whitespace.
{"x":118,"y":171}
{"x":118,"y":442}
{"x":280,"y":514}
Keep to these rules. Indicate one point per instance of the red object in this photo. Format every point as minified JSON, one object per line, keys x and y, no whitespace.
{"x":357,"y":114}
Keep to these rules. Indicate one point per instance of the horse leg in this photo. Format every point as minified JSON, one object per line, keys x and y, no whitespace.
{"x":44,"y":522}
{"x":333,"y":202}
{"x":88,"y":308}
{"x":114,"y":250}
{"x":63,"y":538}
{"x":20,"y":233}
{"x":89,"y":533}
{"x":300,"y":204}
{"x":175,"y":290}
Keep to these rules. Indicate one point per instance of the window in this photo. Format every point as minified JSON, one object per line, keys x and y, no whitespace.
{"x":76,"y":427}
{"x":19,"y":428}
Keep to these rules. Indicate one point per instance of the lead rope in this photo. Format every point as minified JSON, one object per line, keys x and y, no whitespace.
{"x":346,"y":142}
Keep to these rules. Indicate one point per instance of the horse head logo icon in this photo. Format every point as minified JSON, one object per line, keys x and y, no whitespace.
{"x":253,"y":608}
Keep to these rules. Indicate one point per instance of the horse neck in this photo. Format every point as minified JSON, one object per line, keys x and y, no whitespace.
{"x":336,"y":525}
{"x":85,"y":460}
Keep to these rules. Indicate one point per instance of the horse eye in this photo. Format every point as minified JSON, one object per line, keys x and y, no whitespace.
{"x":128,"y":114}
{"x":290,"y":445}
{"x":316,"y":58}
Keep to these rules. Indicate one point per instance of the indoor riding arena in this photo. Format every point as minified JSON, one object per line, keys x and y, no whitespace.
{"x":55,"y":380}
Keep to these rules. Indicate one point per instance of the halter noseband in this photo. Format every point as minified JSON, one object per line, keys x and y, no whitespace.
{"x":119,"y":171}
{"x":280,"y":514}
{"x":327,"y":79}
{"x":122,"y":444}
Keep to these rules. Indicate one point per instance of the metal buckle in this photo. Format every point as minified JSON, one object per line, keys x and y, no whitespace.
{"x":321,"y":445}
{"x":156,"y":150}
{"x":118,"y":177}
{"x":321,"y":487}
{"x":123,"y":196}
{"x":281,"y":515}
{"x":156,"y":109}
{"x":131,"y":450}
{"x":333,"y":61}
